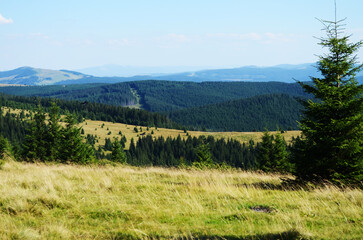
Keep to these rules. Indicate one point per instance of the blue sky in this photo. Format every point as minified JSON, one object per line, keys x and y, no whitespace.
{"x":208,"y":33}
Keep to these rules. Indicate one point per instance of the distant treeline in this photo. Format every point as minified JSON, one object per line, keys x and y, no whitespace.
{"x":160,"y":96}
{"x":12,"y":126}
{"x":172,"y":152}
{"x":39,"y":137}
{"x":272,"y":111}
{"x":213,"y":106}
{"x":93,"y":111}
{"x":166,"y":96}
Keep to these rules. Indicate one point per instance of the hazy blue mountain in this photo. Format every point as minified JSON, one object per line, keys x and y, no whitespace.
{"x":37,"y":76}
{"x":280,"y":73}
{"x":112,"y":70}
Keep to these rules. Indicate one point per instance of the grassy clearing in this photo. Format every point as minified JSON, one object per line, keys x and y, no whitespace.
{"x":95,"y":128}
{"x":111,"y":130}
{"x":40,"y":201}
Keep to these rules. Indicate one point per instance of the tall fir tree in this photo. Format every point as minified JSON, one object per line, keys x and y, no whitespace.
{"x":118,"y":154}
{"x":332,"y":124}
{"x":4,"y":146}
{"x":272,"y":154}
{"x":54,"y":132}
{"x":73,"y":147}
{"x":35,"y":146}
{"x":280,"y":155}
{"x":264,"y":152}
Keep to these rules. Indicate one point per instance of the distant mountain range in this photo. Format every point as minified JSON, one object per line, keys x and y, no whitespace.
{"x":37,"y":76}
{"x":112,"y":70}
{"x":280,"y":73}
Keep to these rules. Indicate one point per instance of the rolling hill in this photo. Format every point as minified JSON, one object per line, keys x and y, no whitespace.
{"x":159,"y":96}
{"x":280,"y":73}
{"x":273,"y":111}
{"x":37,"y":76}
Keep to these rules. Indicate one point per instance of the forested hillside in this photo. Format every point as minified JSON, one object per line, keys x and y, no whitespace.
{"x":217,"y":106}
{"x":45,"y":90}
{"x":257,"y":113}
{"x":93,"y":111}
{"x":160,"y":96}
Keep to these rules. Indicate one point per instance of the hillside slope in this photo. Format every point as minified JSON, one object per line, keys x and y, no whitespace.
{"x":37,"y":76}
{"x":160,"y":96}
{"x":257,"y":113}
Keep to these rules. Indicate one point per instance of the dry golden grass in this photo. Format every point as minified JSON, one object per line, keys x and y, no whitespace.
{"x":95,"y":128}
{"x":40,"y":201}
{"x":12,"y":110}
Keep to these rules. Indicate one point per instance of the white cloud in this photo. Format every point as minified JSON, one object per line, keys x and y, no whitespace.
{"x":237,"y":36}
{"x":181,"y":38}
{"x":38,"y":36}
{"x":172,"y":40}
{"x":118,"y":42}
{"x":3,"y":20}
{"x":264,"y":38}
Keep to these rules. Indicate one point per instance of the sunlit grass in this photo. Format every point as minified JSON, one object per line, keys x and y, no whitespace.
{"x":111,"y":130}
{"x":39,"y":201}
{"x":103,"y":129}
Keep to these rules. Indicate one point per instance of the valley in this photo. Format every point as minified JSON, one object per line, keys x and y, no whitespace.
{"x":212,"y":106}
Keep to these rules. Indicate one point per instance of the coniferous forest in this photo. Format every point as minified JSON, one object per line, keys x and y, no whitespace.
{"x":40,"y":137}
{"x":331,"y":122}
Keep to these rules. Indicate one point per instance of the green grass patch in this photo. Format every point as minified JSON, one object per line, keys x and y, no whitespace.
{"x":39,"y":201}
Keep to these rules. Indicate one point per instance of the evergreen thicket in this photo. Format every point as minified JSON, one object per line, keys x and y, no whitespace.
{"x":160,"y":96}
{"x":273,"y":154}
{"x":201,"y":151}
{"x":46,"y":140}
{"x":273,"y":111}
{"x":212,"y":106}
{"x":12,"y":127}
{"x":118,"y":153}
{"x":93,"y":111}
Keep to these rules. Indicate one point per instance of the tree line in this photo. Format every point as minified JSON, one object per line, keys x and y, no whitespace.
{"x":272,"y":111}
{"x":93,"y":111}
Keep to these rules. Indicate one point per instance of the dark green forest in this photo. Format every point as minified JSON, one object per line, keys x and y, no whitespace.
{"x":191,"y":151}
{"x":160,"y":96}
{"x":273,"y":111}
{"x":33,"y":138}
{"x":213,"y":106}
{"x":166,"y":96}
{"x":93,"y":111}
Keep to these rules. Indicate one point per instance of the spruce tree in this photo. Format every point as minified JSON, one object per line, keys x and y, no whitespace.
{"x":204,"y":155}
{"x":118,"y":154}
{"x":73,"y":148}
{"x":264,"y":152}
{"x":272,"y":155}
{"x":332,"y":123}
{"x":280,"y":155}
{"x":4,"y":146}
{"x":54,"y":133}
{"x":35,"y":146}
